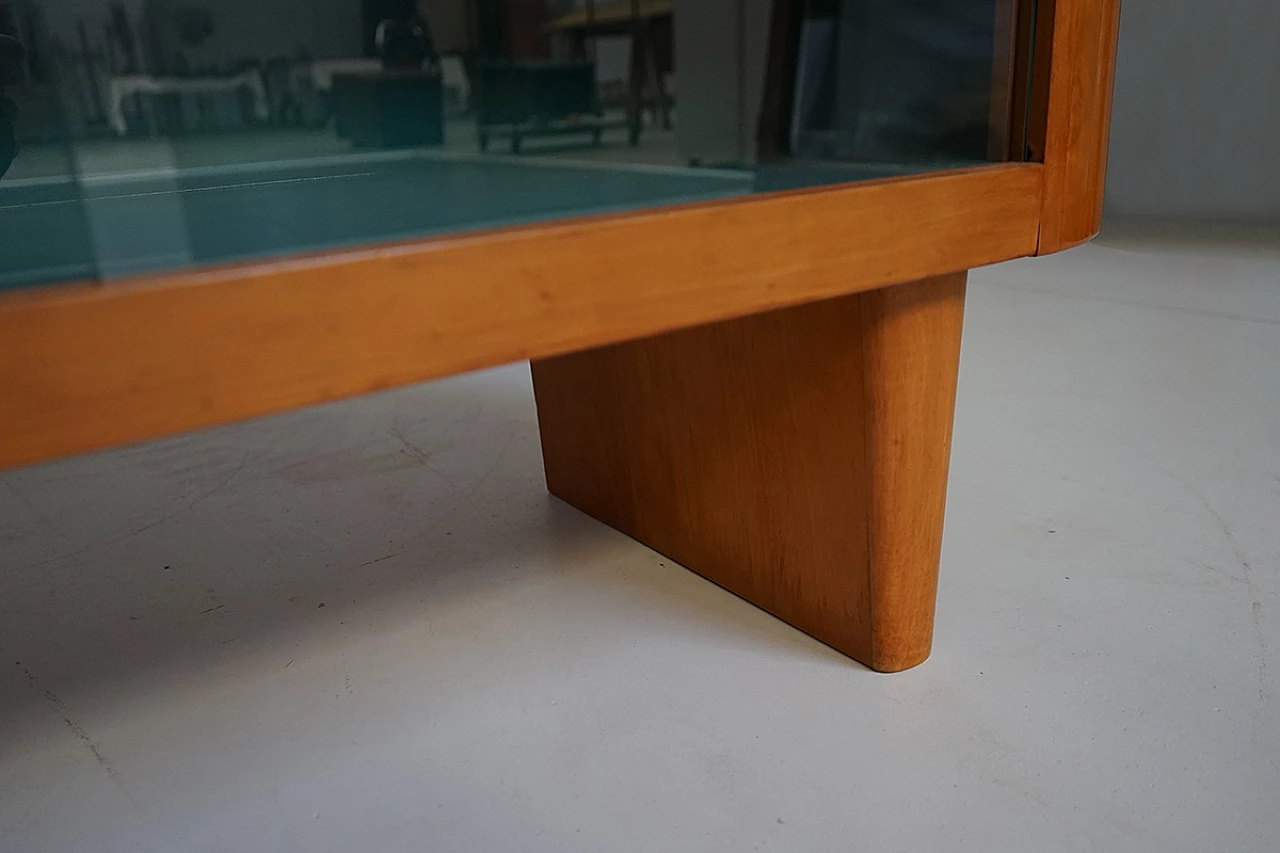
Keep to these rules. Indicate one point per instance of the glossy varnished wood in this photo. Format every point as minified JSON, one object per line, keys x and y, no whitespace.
{"x":1078,"y":118}
{"x":911,"y":347}
{"x":85,"y":367}
{"x":796,"y":457}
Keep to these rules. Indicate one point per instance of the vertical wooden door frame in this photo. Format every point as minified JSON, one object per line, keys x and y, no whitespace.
{"x":1076,"y":107}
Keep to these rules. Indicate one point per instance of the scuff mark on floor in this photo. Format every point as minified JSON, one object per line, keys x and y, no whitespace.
{"x":55,"y":702}
{"x":135,"y":530}
{"x":1246,"y":567}
{"x":408,"y":448}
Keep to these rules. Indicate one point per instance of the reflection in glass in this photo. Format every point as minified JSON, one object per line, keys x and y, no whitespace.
{"x":159,"y":134}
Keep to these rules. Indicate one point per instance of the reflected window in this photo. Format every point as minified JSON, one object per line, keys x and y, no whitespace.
{"x":140,"y":135}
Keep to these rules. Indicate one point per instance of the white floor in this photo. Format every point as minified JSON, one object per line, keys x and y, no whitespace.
{"x":366,"y":627}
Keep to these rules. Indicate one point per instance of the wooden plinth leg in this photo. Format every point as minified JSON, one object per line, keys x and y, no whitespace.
{"x":798,"y":458}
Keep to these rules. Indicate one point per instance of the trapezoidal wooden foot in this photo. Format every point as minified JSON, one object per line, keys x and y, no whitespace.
{"x":797,"y":458}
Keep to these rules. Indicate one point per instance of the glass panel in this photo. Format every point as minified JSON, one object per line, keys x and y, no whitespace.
{"x":159,"y":134}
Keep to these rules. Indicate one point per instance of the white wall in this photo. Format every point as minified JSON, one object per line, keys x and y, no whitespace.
{"x":265,"y":28}
{"x":59,"y":17}
{"x":326,"y":28}
{"x":720,"y":81}
{"x":60,"y":13}
{"x":1196,"y":127}
{"x":242,"y":28}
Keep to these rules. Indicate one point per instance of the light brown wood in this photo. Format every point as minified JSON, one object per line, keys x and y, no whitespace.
{"x":796,"y":457}
{"x":1078,"y":121}
{"x":86,"y":367}
{"x":911,"y":346}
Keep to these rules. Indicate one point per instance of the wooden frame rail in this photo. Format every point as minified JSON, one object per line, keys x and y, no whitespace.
{"x":89,"y":366}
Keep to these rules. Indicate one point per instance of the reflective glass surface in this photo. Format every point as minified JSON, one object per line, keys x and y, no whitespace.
{"x":140,"y":135}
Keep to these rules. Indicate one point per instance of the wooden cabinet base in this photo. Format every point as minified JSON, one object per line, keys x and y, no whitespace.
{"x":797,"y":458}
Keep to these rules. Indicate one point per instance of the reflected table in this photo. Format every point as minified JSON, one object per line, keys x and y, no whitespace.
{"x":122,"y":87}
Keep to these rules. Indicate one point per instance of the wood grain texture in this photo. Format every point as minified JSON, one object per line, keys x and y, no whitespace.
{"x":911,"y":347}
{"x":796,"y":457}
{"x":1078,"y":122}
{"x":87,"y":367}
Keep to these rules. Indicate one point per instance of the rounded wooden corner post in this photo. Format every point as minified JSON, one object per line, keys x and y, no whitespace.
{"x":1077,"y":118}
{"x":797,"y":457}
